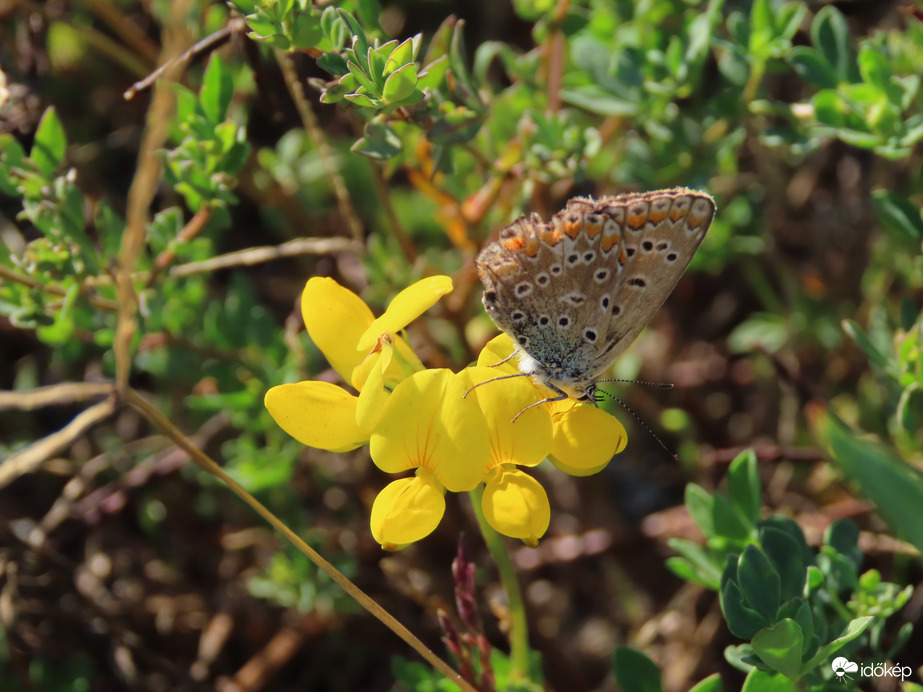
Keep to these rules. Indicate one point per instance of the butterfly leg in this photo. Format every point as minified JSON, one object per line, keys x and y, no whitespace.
{"x":505,"y":360}
{"x":561,"y":396}
{"x":492,"y":379}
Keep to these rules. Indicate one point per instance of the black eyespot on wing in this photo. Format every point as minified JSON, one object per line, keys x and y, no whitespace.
{"x":647,"y":245}
{"x":542,"y":279}
{"x":601,"y":275}
{"x":629,"y":251}
{"x":564,"y":321}
{"x":589,"y":257}
{"x":490,"y":297}
{"x":589,"y":335}
{"x":573,"y":259}
{"x":662,"y":246}
{"x":544,"y":320}
{"x":637,"y":281}
{"x":518,"y":316}
{"x":555,"y":269}
{"x":671,"y":257}
{"x":616,"y":310}
{"x":604,"y":302}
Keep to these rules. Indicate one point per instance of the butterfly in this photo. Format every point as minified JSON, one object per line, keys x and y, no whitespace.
{"x":575,"y":292}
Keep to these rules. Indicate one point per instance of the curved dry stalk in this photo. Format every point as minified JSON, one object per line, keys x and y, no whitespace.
{"x":203,"y":460}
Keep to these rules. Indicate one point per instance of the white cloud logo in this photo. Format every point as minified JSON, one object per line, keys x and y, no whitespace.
{"x":841,"y":666}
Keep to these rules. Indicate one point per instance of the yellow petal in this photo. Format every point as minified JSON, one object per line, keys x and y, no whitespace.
{"x":407,"y":306}
{"x":585,"y":439}
{"x":372,"y":392}
{"x":427,"y":424}
{"x":497,"y":350}
{"x":336,"y":318}
{"x":527,"y":441}
{"x":407,"y":510}
{"x":516,"y":505}
{"x":317,"y":414}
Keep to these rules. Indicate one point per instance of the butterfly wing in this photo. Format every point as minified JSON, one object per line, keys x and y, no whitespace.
{"x":575,"y":292}
{"x":661,"y":232}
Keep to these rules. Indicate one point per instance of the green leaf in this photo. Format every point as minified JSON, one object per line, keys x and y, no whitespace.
{"x":703,"y":568}
{"x":759,"y":582}
{"x":11,"y":156}
{"x":400,"y":84}
{"x":50,"y":142}
{"x":893,"y":485}
{"x":843,"y":536}
{"x":635,"y":672}
{"x":762,"y":330}
{"x":763,"y":681}
{"x":780,"y":647}
{"x":830,"y":34}
{"x":363,"y":79}
{"x":743,"y":621}
{"x":897,"y":214}
{"x":729,"y":522}
{"x":785,"y":554}
{"x":400,"y":56}
{"x":811,"y":66}
{"x":710,"y":684}
{"x":306,"y":31}
{"x":865,"y":343}
{"x":825,"y":654}
{"x":217,"y":90}
{"x":700,"y":504}
{"x":744,"y":485}
{"x":379,"y":142}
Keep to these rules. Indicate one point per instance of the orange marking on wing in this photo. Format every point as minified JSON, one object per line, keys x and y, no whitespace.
{"x":572,"y":229}
{"x":610,"y":240}
{"x":531,"y":246}
{"x":552,"y":237}
{"x":676,"y":213}
{"x":593,"y":229}
{"x":637,"y":220}
{"x":514,"y":244}
{"x":657,"y":215}
{"x":695,"y":220}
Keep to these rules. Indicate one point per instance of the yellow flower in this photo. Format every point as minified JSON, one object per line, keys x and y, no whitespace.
{"x":366,"y":352}
{"x":514,"y":503}
{"x":585,"y":437}
{"x":426,"y":425}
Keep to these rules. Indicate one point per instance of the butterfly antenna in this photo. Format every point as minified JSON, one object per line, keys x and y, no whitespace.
{"x":655,"y":385}
{"x":638,"y":419}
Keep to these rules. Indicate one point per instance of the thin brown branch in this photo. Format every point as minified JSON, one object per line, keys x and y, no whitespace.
{"x":206,"y":45}
{"x":41,"y":450}
{"x":141,"y":196}
{"x":268,"y":253}
{"x":189,"y":231}
{"x":397,"y":228}
{"x":131,"y":35}
{"x":101,"y":303}
{"x":312,"y":127}
{"x":54,"y":395}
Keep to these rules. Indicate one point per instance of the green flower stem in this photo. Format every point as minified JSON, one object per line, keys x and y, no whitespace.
{"x":519,"y":628}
